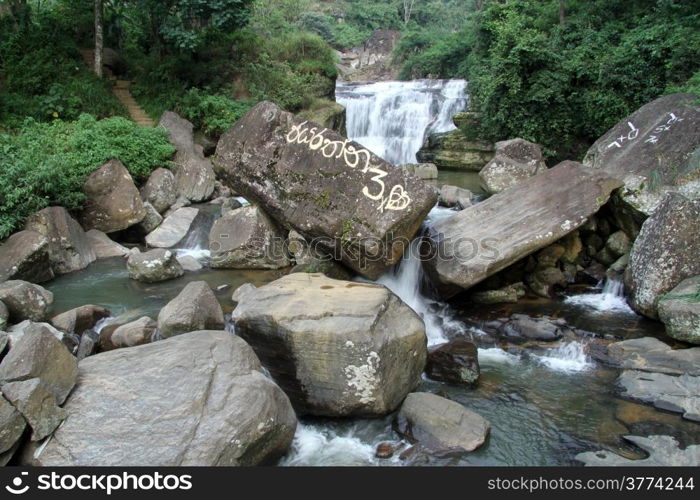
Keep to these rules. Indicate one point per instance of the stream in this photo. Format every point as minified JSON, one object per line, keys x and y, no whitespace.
{"x":545,"y":404}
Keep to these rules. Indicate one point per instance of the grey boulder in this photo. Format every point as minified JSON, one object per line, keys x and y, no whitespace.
{"x":173,"y":228}
{"x":195,"y":308}
{"x":515,"y":161}
{"x":160,"y":190}
{"x":25,"y":256}
{"x":25,"y":300}
{"x":154,"y":266}
{"x":680,"y":311}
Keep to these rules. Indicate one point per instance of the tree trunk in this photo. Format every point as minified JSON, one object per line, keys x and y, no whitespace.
{"x":99,"y":37}
{"x":562,"y":12}
{"x":479,"y":4}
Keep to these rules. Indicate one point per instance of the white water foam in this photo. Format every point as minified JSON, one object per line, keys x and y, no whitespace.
{"x":392,"y":119}
{"x":569,"y":358}
{"x":314,"y":446}
{"x":201,"y":254}
{"x":496,"y":355}
{"x":611,"y":298}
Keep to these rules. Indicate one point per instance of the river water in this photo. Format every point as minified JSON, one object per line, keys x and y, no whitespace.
{"x":546,"y":403}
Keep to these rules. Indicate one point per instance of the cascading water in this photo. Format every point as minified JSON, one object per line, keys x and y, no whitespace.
{"x":392,"y":118}
{"x":611,"y":298}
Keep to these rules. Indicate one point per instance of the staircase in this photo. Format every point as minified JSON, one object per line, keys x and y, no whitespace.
{"x":121,"y":91}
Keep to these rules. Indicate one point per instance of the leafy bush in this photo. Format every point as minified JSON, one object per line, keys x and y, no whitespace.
{"x":211,"y":113}
{"x":48,"y":163}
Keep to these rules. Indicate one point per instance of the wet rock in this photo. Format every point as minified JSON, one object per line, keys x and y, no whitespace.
{"x":68,"y":246}
{"x":456,"y":362}
{"x":213,"y":407}
{"x":173,"y":228}
{"x":25,"y":256}
{"x":39,"y":354}
{"x":679,"y":394}
{"x":372,"y":345}
{"x":195,"y":308}
{"x":453,"y":150}
{"x":484,"y":239}
{"x":618,"y":243}
{"x":88,"y":344}
{"x":422,"y":170}
{"x":26,"y":300}
{"x":664,"y":254}
{"x":515,"y":161}
{"x":440,"y":424}
{"x":544,"y":282}
{"x":229,"y":205}
{"x":655,"y":150}
{"x":154,"y":266}
{"x":160,"y":190}
{"x":363,"y":208}
{"x":36,"y":404}
{"x":113,"y":202}
{"x":152,"y":219}
{"x":511,"y":293}
{"x":79,"y":319}
{"x":385,"y":450}
{"x":189,"y":263}
{"x":246,"y":238}
{"x":680,"y":311}
{"x":12,"y":425}
{"x":453,"y":196}
{"x":103,"y":246}
{"x":663,"y":451}
{"x":529,"y":328}
{"x":652,"y":355}
{"x":194,"y":175}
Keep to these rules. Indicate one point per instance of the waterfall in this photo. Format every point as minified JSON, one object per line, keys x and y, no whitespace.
{"x":392,"y":119}
{"x":570,"y":357}
{"x":610,"y":298}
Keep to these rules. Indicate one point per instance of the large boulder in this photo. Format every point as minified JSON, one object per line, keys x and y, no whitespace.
{"x":477,"y":242}
{"x":666,"y":392}
{"x":198,"y":399}
{"x":456,"y":362}
{"x":454,"y":151}
{"x":154,"y":266}
{"x":649,"y":354}
{"x":195,"y":308}
{"x":654,"y":150}
{"x":113,"y":202}
{"x":25,"y":300}
{"x":173,"y":229}
{"x":680,"y":311}
{"x":160,"y":190}
{"x":25,"y":256}
{"x":246,"y":238}
{"x":664,"y":254}
{"x":12,"y":425}
{"x":152,"y":219}
{"x":39,"y":354}
{"x":135,"y":333}
{"x":440,"y":424}
{"x":337,"y":348}
{"x":103,"y":246}
{"x":36,"y":404}
{"x":69,"y":248}
{"x":194,"y":175}
{"x":324,"y":186}
{"x":79,"y":319}
{"x":515,"y":161}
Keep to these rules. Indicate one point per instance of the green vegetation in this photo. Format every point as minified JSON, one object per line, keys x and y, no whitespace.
{"x":48,"y":163}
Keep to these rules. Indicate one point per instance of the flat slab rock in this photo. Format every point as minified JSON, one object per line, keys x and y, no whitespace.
{"x":319,"y":183}
{"x":663,"y":451}
{"x":199,"y":399}
{"x":666,"y":392}
{"x":483,"y":239}
{"x":652,"y":355}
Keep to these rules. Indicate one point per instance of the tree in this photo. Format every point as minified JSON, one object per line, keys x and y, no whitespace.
{"x":407,"y":8}
{"x":99,"y":36}
{"x":562,"y":12}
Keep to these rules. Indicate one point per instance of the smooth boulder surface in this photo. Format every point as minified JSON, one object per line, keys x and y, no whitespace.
{"x":323,"y":185}
{"x":676,"y":394}
{"x":103,"y":246}
{"x":440,"y":424}
{"x":680,"y":311}
{"x":160,"y":190}
{"x":39,"y":354}
{"x":154,"y":266}
{"x":25,"y":256}
{"x":654,"y":150}
{"x":195,"y":308}
{"x":173,"y":228}
{"x":246,"y":238}
{"x":649,"y":354}
{"x":199,"y":399}
{"x":337,"y":348}
{"x":69,"y":248}
{"x":485,"y":238}
{"x":135,"y":333}
{"x":25,"y":300}
{"x":664,"y":254}
{"x":79,"y":319}
{"x":515,"y":161}
{"x":456,"y":362}
{"x":664,"y":451}
{"x":113,"y":202}
{"x":194,"y":175}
